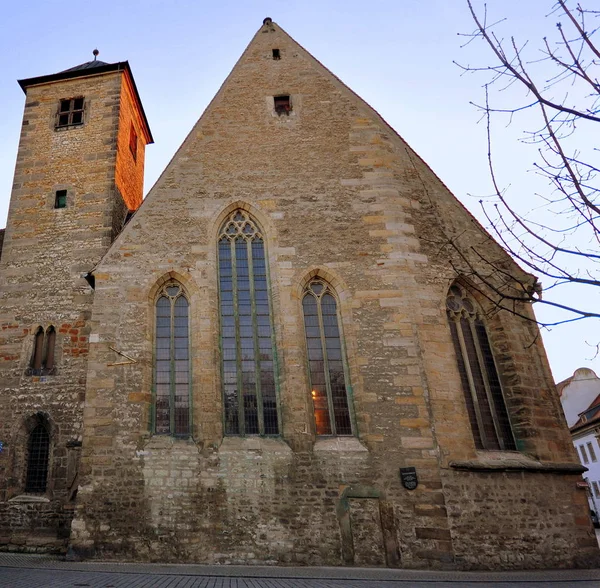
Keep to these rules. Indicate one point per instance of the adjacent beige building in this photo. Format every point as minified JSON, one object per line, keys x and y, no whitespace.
{"x":273,"y":358}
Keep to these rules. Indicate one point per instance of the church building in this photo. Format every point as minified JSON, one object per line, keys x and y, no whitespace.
{"x":275,"y":357}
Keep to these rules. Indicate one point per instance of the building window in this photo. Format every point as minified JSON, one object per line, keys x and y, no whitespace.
{"x":172,"y":415}
{"x":70,"y":112}
{"x":584,"y":457}
{"x":283,"y":104}
{"x":326,"y":360}
{"x":276,"y":54}
{"x":247,"y":344}
{"x":44,"y":346}
{"x":596,"y":489}
{"x":133,"y":142}
{"x":37,"y":459}
{"x":591,"y":451}
{"x":60,"y":199}
{"x":480,"y":382}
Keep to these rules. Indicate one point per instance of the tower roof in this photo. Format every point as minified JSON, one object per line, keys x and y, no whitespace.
{"x":90,"y":68}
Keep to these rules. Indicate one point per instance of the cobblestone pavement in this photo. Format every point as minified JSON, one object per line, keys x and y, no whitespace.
{"x":31,"y":571}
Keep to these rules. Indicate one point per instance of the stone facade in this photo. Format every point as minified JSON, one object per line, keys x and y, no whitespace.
{"x":337,"y":195}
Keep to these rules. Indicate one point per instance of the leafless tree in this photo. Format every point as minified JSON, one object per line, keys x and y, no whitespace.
{"x":557,"y":87}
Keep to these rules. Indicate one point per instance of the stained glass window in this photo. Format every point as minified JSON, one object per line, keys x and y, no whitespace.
{"x":480,"y":382}
{"x":326,"y":361}
{"x":172,"y":362}
{"x":247,"y":346}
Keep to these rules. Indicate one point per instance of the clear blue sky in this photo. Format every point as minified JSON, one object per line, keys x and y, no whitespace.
{"x":396,"y":54}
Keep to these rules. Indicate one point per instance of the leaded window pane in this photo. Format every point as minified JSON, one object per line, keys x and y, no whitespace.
{"x":37,"y":459}
{"x":247,"y":346}
{"x":172,"y":362}
{"x":326,"y":361}
{"x":480,"y":382}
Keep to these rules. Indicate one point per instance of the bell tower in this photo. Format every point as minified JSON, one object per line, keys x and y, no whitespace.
{"x":79,"y":173}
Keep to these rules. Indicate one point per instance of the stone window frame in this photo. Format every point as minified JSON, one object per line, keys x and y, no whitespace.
{"x":162,"y":292}
{"x":43,"y":357}
{"x":239,"y":217}
{"x":19,"y":456}
{"x":73,"y":112}
{"x":327,"y":288}
{"x":478,"y":371}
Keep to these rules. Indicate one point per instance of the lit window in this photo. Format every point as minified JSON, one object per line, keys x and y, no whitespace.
{"x":480,"y":382}
{"x":38,"y":453}
{"x":172,"y":414}
{"x":70,"y":112}
{"x":326,"y":360}
{"x":591,"y":452}
{"x":247,"y":345}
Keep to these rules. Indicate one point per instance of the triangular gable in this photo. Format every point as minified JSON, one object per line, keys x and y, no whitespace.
{"x":272,"y":28}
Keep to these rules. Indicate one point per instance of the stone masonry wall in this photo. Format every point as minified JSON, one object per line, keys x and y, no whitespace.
{"x":337,"y":194}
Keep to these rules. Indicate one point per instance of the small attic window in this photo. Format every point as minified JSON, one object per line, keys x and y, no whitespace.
{"x":276,"y":54}
{"x":283,"y":105}
{"x":70,"y":112}
{"x":60,"y":199}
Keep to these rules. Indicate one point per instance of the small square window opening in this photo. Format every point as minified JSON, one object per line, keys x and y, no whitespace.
{"x":70,"y":112}
{"x":283,"y":104}
{"x":133,"y":142}
{"x":276,"y":54}
{"x":60,"y":200}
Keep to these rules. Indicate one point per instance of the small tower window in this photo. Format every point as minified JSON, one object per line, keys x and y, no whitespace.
{"x":133,"y":142}
{"x":283,"y":104}
{"x":70,"y":112}
{"x":276,"y":54}
{"x":60,"y":200}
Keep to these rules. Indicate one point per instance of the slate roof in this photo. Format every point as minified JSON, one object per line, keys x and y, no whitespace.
{"x":86,"y":65}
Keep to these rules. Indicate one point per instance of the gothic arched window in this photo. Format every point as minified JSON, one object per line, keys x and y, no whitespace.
{"x":326,"y":360}
{"x":172,"y":362}
{"x":38,"y":454}
{"x":42,"y":360}
{"x":478,"y":373}
{"x":247,"y":345}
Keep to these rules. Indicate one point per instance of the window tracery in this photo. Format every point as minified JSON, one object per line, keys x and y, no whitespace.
{"x":172,"y":413}
{"x":329,"y":389}
{"x":480,"y":381}
{"x":247,"y":344}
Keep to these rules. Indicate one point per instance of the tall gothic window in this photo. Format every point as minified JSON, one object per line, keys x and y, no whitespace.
{"x":38,"y":454}
{"x":172,"y":362}
{"x":326,"y":361}
{"x":477,"y":368}
{"x":247,"y":344}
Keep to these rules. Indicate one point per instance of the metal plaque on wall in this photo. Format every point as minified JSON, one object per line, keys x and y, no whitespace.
{"x":409,"y":478}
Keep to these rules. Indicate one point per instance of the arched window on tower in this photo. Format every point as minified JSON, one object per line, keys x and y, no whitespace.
{"x":247,"y":344}
{"x":480,"y":382}
{"x":42,"y":361}
{"x":38,"y":350}
{"x":329,"y":385}
{"x":172,"y":415}
{"x":38,"y":455}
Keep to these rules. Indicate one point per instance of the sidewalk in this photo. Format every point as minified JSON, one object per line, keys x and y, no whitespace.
{"x":25,"y":571}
